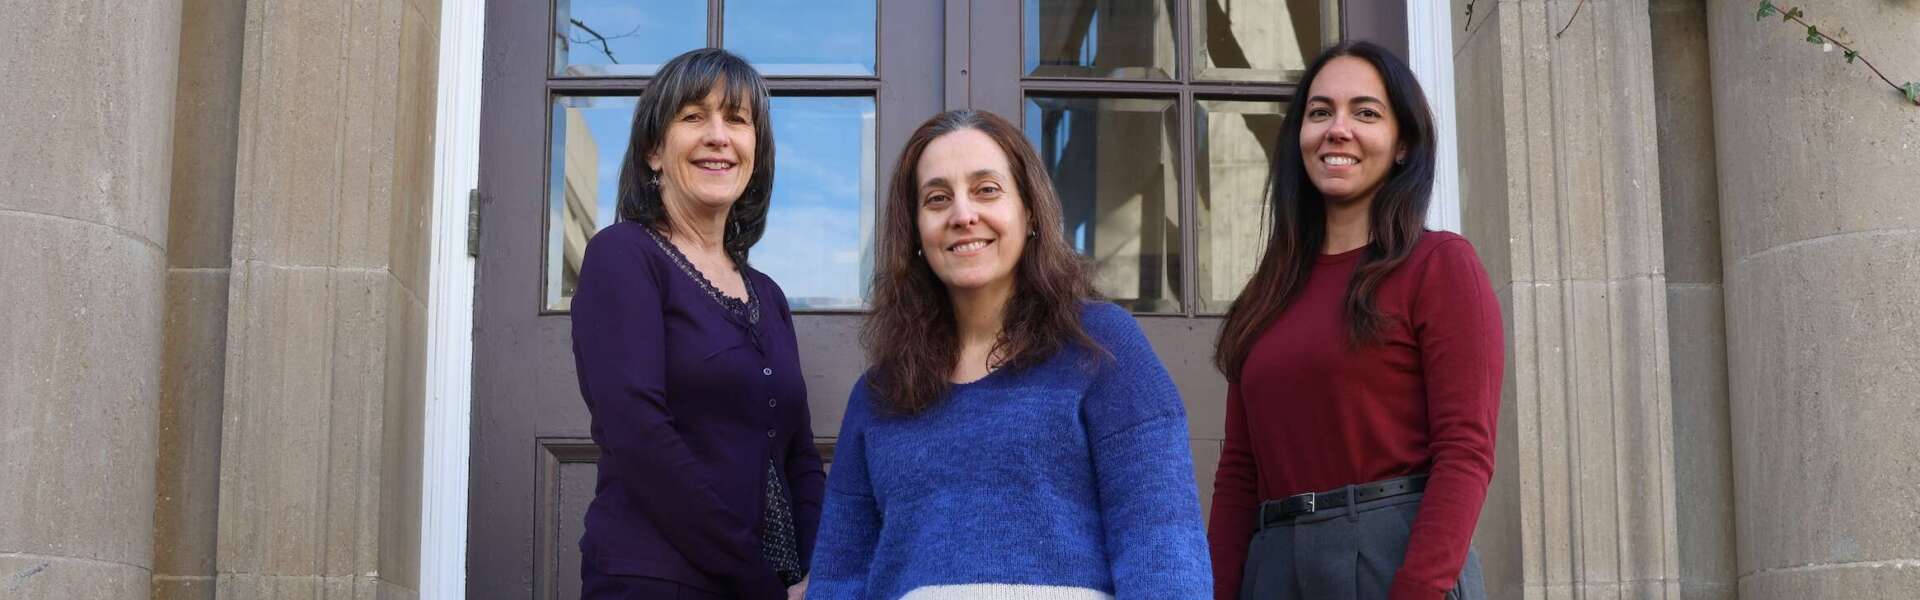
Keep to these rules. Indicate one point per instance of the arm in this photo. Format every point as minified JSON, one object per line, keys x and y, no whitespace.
{"x":1235,"y":497}
{"x":1143,"y":467}
{"x":1457,"y":322}
{"x":619,"y":349}
{"x":850,"y":522}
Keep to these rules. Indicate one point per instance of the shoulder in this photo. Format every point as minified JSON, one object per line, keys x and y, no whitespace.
{"x":623,"y":239}
{"x":768,"y":289}
{"x":1108,"y":323}
{"x":1445,"y":245}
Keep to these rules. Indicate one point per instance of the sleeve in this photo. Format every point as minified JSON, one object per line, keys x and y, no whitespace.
{"x":1143,"y":468}
{"x":1457,"y":324}
{"x":619,"y":349}
{"x":806,"y":480}
{"x":850,"y":522}
{"x":1235,"y":497}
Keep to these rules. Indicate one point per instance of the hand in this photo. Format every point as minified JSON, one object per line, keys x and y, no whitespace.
{"x":797,"y":591}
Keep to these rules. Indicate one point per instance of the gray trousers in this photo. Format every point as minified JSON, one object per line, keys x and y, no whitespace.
{"x":1341,"y":553}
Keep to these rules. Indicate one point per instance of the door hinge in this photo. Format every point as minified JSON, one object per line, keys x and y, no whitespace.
{"x":473,"y":223}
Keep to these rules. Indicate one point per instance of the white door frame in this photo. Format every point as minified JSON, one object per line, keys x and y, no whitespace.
{"x":449,"y":398}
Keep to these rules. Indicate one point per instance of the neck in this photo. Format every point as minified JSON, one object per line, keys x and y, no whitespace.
{"x":704,"y":228}
{"x":1349,"y":225}
{"x":979,"y":315}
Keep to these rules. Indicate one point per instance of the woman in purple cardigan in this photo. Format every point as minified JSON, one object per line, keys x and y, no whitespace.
{"x":709,"y":483}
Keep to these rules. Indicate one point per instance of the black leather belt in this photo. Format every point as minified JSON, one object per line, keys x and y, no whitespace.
{"x":1275,"y":512}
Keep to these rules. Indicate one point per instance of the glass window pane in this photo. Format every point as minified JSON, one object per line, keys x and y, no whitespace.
{"x":599,"y":38}
{"x":1113,"y":161}
{"x":1256,"y":40}
{"x":818,"y":228}
{"x":819,"y":238}
{"x":803,"y":37}
{"x":1235,"y":148}
{"x":1125,"y":39}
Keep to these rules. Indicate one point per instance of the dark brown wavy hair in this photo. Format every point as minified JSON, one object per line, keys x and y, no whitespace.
{"x":1297,"y":226}
{"x":911,"y":336}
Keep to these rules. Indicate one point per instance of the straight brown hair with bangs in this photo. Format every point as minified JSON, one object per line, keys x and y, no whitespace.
{"x":911,"y":335}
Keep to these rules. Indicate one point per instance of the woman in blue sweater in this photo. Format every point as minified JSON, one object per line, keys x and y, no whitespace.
{"x":1015,"y":438}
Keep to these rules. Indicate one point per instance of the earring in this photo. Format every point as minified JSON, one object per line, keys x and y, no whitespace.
{"x":917,"y":252}
{"x":654,"y":181}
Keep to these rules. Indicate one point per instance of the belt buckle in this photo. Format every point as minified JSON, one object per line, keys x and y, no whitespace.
{"x":1312,"y":502}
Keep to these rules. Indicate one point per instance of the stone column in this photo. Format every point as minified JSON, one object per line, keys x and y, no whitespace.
{"x":85,"y":148}
{"x":319,"y":489}
{"x":1561,"y":194}
{"x":1690,"y":216}
{"x":1819,"y":163}
{"x":200,"y":234}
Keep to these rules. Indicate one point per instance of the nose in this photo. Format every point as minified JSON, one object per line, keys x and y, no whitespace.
{"x":714,"y":134}
{"x":1341,"y":129}
{"x":963,"y":214}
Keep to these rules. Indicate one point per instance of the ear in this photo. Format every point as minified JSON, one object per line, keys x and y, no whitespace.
{"x":1400,"y":154}
{"x":653,"y":161}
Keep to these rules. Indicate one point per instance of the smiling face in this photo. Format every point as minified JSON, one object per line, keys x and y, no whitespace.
{"x":707,"y":154}
{"x":973,"y":222}
{"x":1348,"y":137}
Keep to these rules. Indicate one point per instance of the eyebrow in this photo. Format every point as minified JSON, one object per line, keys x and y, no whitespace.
{"x":974,"y":176}
{"x":1356,"y":100}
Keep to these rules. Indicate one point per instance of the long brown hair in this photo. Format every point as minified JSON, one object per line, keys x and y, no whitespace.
{"x":911,"y":336}
{"x":1298,"y":216}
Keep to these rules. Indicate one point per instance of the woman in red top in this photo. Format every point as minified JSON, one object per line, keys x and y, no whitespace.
{"x":1363,"y":361}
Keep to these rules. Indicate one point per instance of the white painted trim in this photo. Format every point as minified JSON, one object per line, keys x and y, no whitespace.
{"x":449,"y":410}
{"x":1430,"y":42}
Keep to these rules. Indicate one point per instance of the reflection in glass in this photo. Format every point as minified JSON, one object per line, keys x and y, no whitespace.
{"x":1113,"y":161}
{"x":818,"y":243}
{"x":1236,"y":145}
{"x":803,"y":37}
{"x":1129,"y":39}
{"x":599,"y":38}
{"x":1255,"y":40}
{"x":818,"y":227}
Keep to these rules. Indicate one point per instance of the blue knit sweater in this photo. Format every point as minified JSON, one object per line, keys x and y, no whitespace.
{"x":1067,"y":480}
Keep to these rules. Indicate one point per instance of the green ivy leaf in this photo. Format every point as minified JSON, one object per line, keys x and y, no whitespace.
{"x":1813,"y":35}
{"x":1851,"y":55}
{"x":1912,"y":91}
{"x":1793,"y":14}
{"x":1766,"y":10}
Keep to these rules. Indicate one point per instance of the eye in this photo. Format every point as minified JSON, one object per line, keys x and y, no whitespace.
{"x":1318,"y":112}
{"x":934,"y":199}
{"x":737,"y":119}
{"x":1369,"y":113}
{"x":691,"y":117}
{"x":988,"y":190}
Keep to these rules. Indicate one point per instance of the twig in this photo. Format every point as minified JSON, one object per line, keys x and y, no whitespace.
{"x":1793,"y":14}
{"x":604,"y":48}
{"x":1469,"y":26}
{"x":1576,"y":15}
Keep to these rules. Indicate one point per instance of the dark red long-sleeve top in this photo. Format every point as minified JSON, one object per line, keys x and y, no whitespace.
{"x":1312,"y":412}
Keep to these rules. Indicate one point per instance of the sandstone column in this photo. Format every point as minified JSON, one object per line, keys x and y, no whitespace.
{"x":85,"y":150}
{"x":1819,"y":176}
{"x":1561,"y":194}
{"x":319,"y":488}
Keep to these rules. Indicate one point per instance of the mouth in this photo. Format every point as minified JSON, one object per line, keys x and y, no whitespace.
{"x":714,"y":165}
{"x":969,"y":246}
{"x":1339,"y":160}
